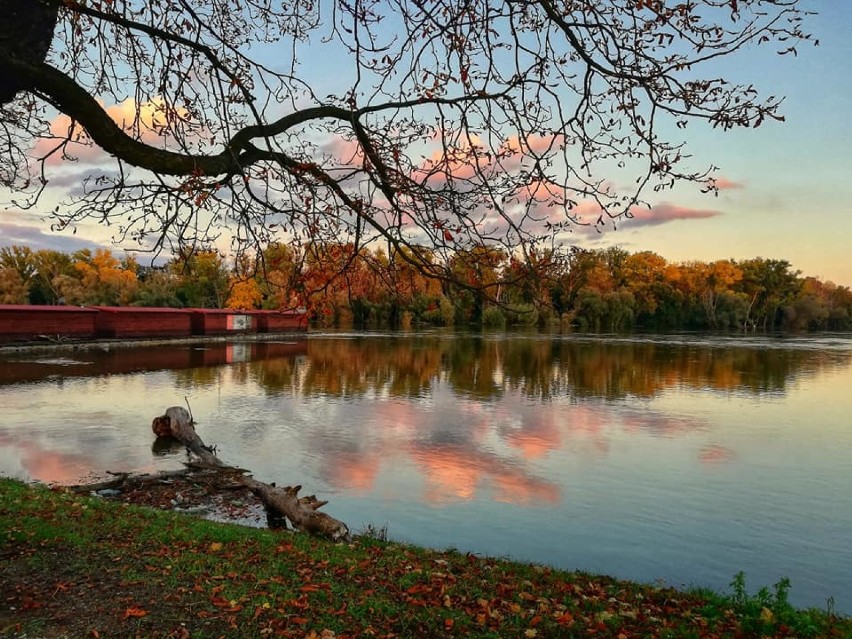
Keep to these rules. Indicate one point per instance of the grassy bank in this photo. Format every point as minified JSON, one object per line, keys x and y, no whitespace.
{"x":83,"y":567}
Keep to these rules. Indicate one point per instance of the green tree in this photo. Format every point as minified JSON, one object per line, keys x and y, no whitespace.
{"x":769,"y":285}
{"x":13,"y":289}
{"x":51,"y":268}
{"x":158,"y":286}
{"x":644,"y":277}
{"x":203,"y":278}
{"x":475,"y":283}
{"x":17,"y":268}
{"x":20,"y":259}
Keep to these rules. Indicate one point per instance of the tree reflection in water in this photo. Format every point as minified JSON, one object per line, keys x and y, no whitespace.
{"x":540,"y":368}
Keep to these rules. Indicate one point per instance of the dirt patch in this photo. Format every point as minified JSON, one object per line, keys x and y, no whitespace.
{"x":57,"y":593}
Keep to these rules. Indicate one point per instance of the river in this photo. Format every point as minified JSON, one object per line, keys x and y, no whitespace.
{"x":673,"y":459}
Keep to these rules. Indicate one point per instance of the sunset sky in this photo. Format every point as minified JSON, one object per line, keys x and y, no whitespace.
{"x":785,"y":188}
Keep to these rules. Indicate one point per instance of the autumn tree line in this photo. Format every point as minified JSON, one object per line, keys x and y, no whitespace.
{"x":595,"y":290}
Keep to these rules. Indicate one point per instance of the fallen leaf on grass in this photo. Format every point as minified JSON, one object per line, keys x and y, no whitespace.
{"x":564,"y":619}
{"x":133,"y":611}
{"x":215,"y":546}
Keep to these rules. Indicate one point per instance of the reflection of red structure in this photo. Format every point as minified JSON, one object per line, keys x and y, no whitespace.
{"x":21,"y":323}
{"x":91,"y":362}
{"x":28,"y":323}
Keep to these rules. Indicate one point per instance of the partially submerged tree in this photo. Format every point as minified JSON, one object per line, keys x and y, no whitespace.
{"x":450,"y":124}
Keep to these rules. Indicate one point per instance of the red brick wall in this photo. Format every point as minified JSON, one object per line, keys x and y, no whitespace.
{"x":142,"y":322}
{"x":27,"y":323}
{"x":275,"y":321}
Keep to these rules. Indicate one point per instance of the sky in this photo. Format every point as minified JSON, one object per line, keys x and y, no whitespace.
{"x":785,"y":188}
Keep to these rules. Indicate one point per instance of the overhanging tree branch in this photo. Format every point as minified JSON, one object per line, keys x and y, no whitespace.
{"x":496,"y":123}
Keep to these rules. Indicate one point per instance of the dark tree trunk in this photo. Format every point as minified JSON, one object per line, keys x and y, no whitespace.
{"x":26,"y":31}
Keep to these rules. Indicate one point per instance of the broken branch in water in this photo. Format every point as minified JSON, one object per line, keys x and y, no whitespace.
{"x":302,"y":512}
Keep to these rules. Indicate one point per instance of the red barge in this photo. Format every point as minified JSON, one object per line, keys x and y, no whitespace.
{"x":23,"y":323}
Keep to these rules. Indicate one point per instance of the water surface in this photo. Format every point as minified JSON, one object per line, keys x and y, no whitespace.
{"x":682,"y":459}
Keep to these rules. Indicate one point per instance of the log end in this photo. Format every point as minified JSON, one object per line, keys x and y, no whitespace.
{"x":325,"y":526}
{"x":162,"y":426}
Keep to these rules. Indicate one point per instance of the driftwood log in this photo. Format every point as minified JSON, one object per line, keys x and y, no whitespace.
{"x":177,"y":423}
{"x":302,"y":512}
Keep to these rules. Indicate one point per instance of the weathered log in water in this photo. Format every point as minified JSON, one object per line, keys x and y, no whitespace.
{"x":177,"y":423}
{"x":302,"y":512}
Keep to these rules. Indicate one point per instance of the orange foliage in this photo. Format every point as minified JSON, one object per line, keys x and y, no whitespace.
{"x":245,"y":294}
{"x":102,"y":280}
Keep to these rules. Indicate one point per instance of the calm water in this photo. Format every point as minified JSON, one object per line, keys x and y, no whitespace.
{"x":680,"y":459}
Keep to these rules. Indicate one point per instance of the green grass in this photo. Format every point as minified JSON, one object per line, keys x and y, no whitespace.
{"x":73,"y":566}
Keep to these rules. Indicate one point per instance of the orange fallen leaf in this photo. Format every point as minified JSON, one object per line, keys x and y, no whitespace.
{"x":216,"y":546}
{"x":133,"y":611}
{"x":565,"y":619}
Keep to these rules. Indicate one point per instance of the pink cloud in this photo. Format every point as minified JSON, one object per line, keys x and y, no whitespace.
{"x":472,"y":156}
{"x":150,"y":117}
{"x":347,"y":152}
{"x":716,"y":454}
{"x":725,"y":184}
{"x":666,"y":212}
{"x":455,"y":473}
{"x":353,"y":471}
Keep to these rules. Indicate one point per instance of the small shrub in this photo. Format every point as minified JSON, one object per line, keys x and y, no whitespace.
{"x":371,"y":531}
{"x":493,"y":317}
{"x":523,"y":315}
{"x":766,"y":611}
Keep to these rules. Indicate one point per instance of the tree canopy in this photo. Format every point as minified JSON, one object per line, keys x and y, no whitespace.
{"x":605,"y":290}
{"x":439,"y":124}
